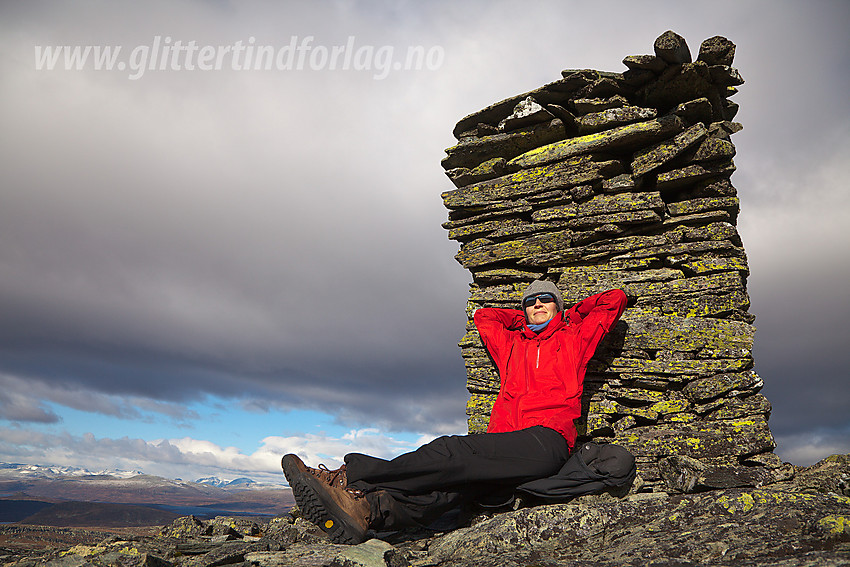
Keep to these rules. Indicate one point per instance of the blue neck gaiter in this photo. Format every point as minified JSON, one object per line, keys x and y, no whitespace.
{"x":540,"y":327}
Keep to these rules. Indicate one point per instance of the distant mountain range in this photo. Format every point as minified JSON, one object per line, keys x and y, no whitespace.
{"x":46,"y":491}
{"x":242,"y":482}
{"x":40,"y":471}
{"x":17,"y":470}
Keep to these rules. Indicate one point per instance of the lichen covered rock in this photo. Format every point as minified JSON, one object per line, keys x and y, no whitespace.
{"x":630,"y":189}
{"x":797,"y":516}
{"x":723,"y":527}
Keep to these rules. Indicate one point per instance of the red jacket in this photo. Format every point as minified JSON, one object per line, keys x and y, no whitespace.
{"x":542,"y":375}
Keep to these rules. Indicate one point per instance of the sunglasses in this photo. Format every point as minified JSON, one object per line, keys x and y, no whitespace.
{"x":543,"y":297}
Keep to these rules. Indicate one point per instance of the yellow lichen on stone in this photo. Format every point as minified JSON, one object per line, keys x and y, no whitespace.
{"x":602,"y":407}
{"x":478,"y":411}
{"x":835,"y":525}
{"x":742,"y":425}
{"x":743,"y":503}
{"x":594,"y":423}
{"x":480,"y":403}
{"x":670,"y":406}
{"x":649,"y":129}
{"x":84,"y":550}
{"x":574,"y":171}
{"x":684,"y":417}
{"x":709,"y":265}
{"x":779,"y":497}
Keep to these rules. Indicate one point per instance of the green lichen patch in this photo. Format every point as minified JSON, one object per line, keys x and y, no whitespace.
{"x":613,"y":117}
{"x":730,"y":204}
{"x":625,"y":219}
{"x":669,"y":332}
{"x":187,"y":526}
{"x":621,"y":202}
{"x":471,"y":153}
{"x":471,"y":257}
{"x":701,"y":296}
{"x":699,"y":439}
{"x":478,"y":412}
{"x":496,"y":210}
{"x":620,"y":138}
{"x":655,"y":157}
{"x":469,"y":232}
{"x":700,"y":367}
{"x":482,"y":380}
{"x":711,"y":263}
{"x":480,"y":404}
{"x":737,"y":408}
{"x":488,"y":170}
{"x":835,"y":525}
{"x":601,"y":407}
{"x":711,"y":387}
{"x":509,"y":294}
{"x":739,"y":503}
{"x":668,"y":407}
{"x":711,"y":231}
{"x":596,"y":424}
{"x":506,"y":275}
{"x":555,"y":213}
{"x":712,"y":149}
{"x":691,"y":174}
{"x":571,"y":172}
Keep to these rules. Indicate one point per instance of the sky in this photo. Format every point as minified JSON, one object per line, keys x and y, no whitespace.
{"x":205,"y":264}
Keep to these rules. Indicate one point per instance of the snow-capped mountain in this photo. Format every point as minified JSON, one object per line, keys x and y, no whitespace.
{"x":241,"y":482}
{"x":19,"y":471}
{"x":51,"y":472}
{"x":211,"y":481}
{"x":57,"y":484}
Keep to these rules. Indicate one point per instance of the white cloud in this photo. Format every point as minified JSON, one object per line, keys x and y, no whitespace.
{"x":316,"y":449}
{"x":191,"y":458}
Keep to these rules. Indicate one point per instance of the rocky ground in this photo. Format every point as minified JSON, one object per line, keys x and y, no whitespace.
{"x":801,"y":521}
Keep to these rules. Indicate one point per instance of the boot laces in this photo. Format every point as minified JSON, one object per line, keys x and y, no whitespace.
{"x":335,"y":477}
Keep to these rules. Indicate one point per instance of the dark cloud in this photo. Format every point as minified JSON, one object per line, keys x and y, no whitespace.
{"x":18,"y":405}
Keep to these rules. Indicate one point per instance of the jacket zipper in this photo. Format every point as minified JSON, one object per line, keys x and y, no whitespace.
{"x":537,"y":365}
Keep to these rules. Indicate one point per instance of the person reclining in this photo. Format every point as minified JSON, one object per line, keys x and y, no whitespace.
{"x":541,"y":352}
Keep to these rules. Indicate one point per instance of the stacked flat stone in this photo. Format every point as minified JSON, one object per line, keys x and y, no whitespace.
{"x":622,"y":180}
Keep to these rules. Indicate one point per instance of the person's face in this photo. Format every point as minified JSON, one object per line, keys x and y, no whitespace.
{"x":543,"y":309}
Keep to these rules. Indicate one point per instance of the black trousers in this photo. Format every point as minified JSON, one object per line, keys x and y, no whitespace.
{"x":416,"y":488}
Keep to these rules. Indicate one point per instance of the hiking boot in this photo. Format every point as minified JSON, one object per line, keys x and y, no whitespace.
{"x":342,"y":514}
{"x":336,"y":477}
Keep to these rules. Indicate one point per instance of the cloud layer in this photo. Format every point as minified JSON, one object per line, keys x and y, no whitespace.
{"x":274,"y":237}
{"x":190,"y":458}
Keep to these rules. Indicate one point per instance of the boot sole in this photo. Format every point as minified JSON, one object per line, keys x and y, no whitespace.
{"x":318,"y":507}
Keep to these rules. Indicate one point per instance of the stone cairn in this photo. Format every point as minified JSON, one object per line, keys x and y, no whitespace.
{"x":606,"y":180}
